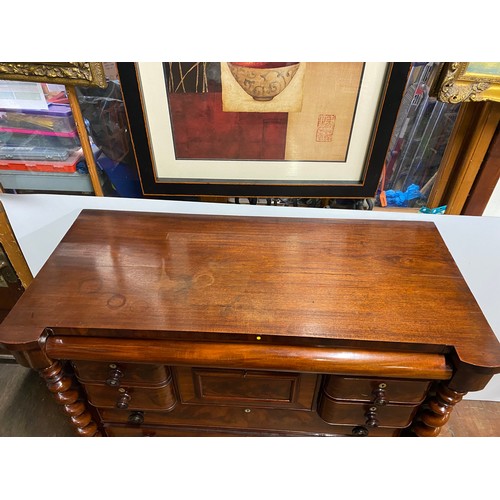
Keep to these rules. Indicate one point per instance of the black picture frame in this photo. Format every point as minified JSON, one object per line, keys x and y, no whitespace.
{"x":391,"y":95}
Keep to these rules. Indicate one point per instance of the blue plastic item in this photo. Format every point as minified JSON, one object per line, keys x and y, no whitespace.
{"x":437,"y":210}
{"x":400,"y":199}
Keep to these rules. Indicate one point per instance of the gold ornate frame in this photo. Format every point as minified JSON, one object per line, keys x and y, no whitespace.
{"x":71,"y":74}
{"x":460,"y":82}
{"x":87,"y":74}
{"x":11,"y":247}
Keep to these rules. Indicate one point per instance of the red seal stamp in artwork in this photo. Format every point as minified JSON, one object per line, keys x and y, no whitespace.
{"x":324,"y":129}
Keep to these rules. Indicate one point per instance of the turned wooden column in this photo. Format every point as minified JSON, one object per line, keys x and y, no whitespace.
{"x":63,"y":386}
{"x":60,"y":385}
{"x":436,"y":411}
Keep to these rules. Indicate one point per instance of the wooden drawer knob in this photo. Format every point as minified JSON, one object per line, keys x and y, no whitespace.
{"x":136,"y":418}
{"x":371,"y":417}
{"x":360,"y":430}
{"x":123,"y":400}
{"x":114,"y":377}
{"x":380,"y":397}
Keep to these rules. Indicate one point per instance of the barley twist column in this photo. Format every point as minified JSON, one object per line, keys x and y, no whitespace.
{"x":437,"y":411}
{"x":60,"y":386}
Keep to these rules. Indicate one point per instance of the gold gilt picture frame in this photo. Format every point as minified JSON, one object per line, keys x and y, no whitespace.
{"x":85,"y":74}
{"x":70,"y":74}
{"x":469,"y":82}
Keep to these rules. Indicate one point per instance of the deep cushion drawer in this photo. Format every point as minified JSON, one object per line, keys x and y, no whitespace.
{"x":246,"y":388}
{"x":364,"y":414}
{"x":376,"y":390}
{"x":132,"y":398}
{"x":117,"y":374}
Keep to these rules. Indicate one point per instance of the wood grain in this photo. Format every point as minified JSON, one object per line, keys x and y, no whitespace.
{"x":486,"y":180}
{"x":258,"y":356}
{"x":256,"y":311}
{"x":473,"y":418}
{"x":337,"y":280}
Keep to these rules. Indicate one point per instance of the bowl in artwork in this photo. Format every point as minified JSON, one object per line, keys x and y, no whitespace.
{"x":263,"y":80}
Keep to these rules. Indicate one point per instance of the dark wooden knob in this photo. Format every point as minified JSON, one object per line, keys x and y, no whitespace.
{"x":371,"y":418}
{"x":114,"y":377}
{"x":136,"y":418}
{"x":380,"y":397}
{"x":359,"y":430}
{"x":123,"y":401}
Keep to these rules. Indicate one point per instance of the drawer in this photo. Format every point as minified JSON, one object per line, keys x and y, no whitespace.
{"x":117,"y":374}
{"x":220,"y":419}
{"x":359,"y":414}
{"x":132,"y":398}
{"x":129,"y":431}
{"x":376,"y":390}
{"x":126,"y":431}
{"x":246,"y":388}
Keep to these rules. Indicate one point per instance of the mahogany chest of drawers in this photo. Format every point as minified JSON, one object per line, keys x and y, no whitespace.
{"x":146,"y":324}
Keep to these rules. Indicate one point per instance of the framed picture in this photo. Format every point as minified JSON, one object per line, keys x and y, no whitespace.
{"x":294,"y":130}
{"x":469,"y":81}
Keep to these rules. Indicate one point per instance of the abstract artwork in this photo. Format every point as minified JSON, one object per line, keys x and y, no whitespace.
{"x":262,"y":111}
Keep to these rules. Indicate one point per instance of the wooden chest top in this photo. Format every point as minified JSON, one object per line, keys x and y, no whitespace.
{"x":320,"y":279}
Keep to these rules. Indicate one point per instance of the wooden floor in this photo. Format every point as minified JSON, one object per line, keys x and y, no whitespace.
{"x":474,"y":419}
{"x":28,"y":410}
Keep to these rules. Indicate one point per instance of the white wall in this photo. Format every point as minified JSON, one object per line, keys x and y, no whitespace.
{"x":493,"y":206}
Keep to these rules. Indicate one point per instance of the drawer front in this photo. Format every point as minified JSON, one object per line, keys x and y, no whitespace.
{"x":234,"y":419}
{"x":200,"y":420}
{"x":364,"y":414}
{"x":376,"y":390}
{"x":129,"y":431}
{"x":126,"y":431}
{"x":117,"y":374}
{"x":132,"y":398}
{"x":246,"y":388}
{"x":222,"y":417}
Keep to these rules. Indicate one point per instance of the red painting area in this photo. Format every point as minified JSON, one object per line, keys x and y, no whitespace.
{"x":202,"y":130}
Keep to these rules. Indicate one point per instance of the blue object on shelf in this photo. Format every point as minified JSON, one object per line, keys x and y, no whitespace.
{"x":437,"y":210}
{"x":123,"y":177}
{"x":400,"y":199}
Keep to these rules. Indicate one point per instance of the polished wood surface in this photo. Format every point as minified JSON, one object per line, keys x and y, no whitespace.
{"x":26,"y":411}
{"x":119,"y":374}
{"x":248,"y":355}
{"x":198,"y":325}
{"x":256,"y":276}
{"x":381,"y":391}
{"x":246,"y":387}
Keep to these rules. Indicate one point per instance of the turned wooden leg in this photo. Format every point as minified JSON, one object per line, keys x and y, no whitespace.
{"x":60,"y":386}
{"x":437,"y":411}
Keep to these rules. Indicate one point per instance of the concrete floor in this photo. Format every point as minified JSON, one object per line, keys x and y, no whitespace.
{"x":28,"y":410}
